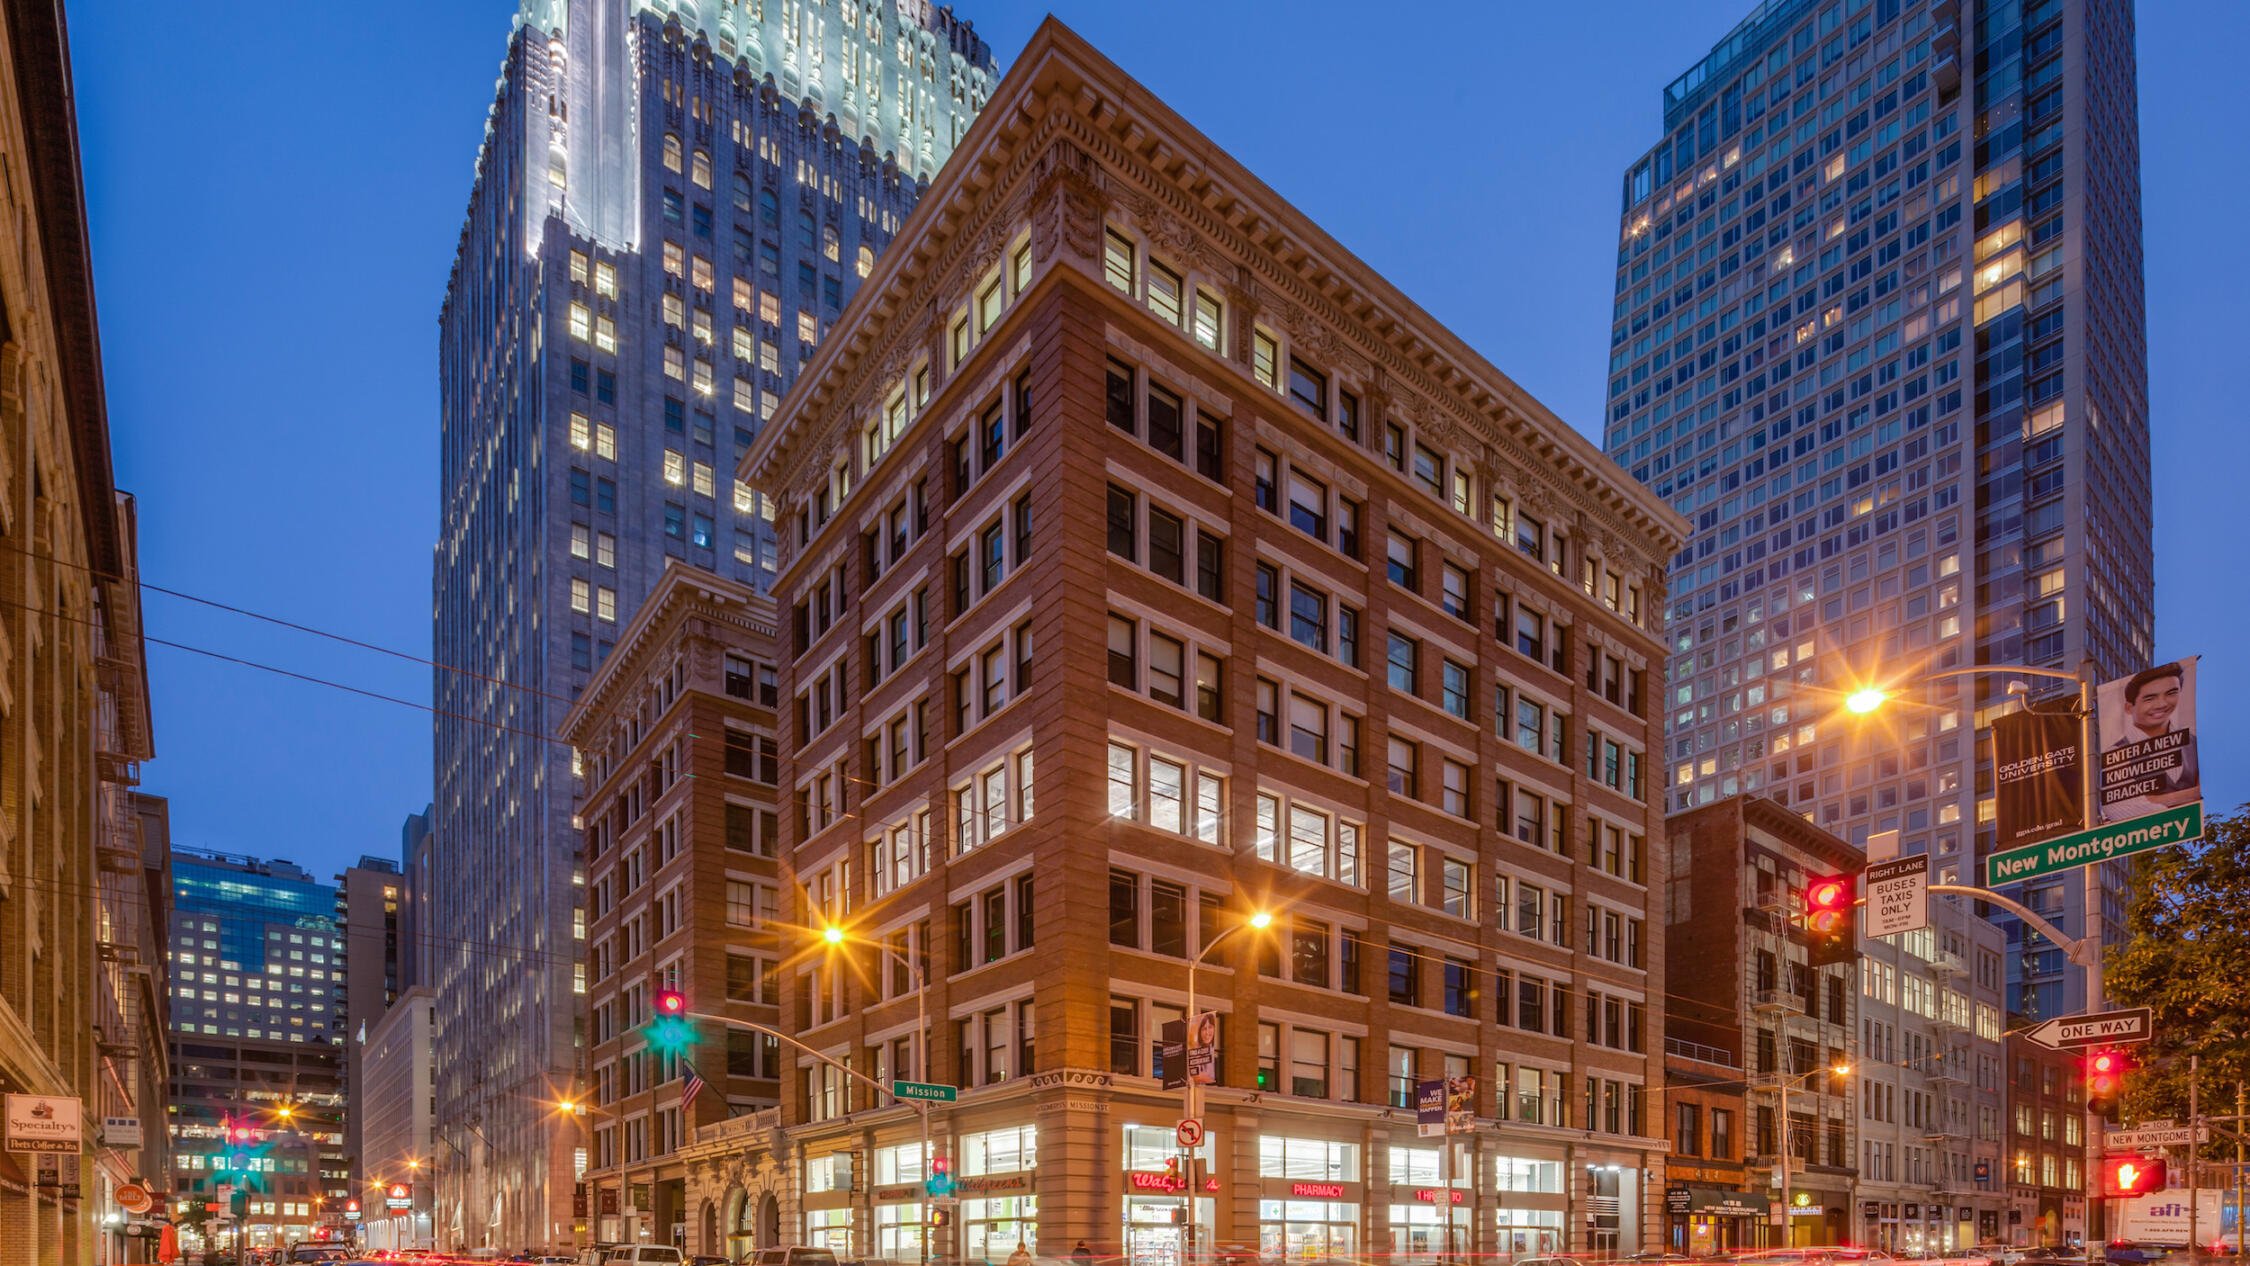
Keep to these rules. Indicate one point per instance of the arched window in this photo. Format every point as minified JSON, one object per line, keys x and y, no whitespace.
{"x":671,"y":151}
{"x":830,"y":245}
{"x":805,"y":226}
{"x":866,"y":260}
{"x":741,"y":192}
{"x":699,"y":169}
{"x":769,"y":207}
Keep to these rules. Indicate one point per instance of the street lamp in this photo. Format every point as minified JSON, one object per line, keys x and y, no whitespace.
{"x":1781,"y":1164}
{"x":835,"y":935}
{"x":1870,"y":698}
{"x":1191,"y":1101}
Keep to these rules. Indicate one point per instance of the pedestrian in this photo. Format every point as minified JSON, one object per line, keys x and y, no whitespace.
{"x":1082,"y":1255}
{"x":1021,"y":1257}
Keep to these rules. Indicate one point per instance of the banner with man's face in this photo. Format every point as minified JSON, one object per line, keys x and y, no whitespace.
{"x":2146,"y":740}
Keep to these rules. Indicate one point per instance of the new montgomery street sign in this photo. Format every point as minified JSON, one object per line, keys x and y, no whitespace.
{"x":924,"y":1092}
{"x":2135,"y":1024}
{"x":2167,"y":1135}
{"x":2101,"y":844}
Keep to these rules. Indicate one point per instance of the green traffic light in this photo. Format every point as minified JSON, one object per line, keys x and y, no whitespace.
{"x":671,"y":1034}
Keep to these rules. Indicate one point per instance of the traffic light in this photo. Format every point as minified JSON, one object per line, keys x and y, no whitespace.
{"x":940,"y":1181}
{"x":671,"y":1031}
{"x":1831,"y":920}
{"x":941,"y":1216}
{"x":2132,"y":1175}
{"x":238,"y":1203}
{"x":2105,"y":1080}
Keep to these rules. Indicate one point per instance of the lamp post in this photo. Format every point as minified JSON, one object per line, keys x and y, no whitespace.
{"x":835,"y":936}
{"x":1869,"y":699}
{"x":1781,"y":1164}
{"x":1191,"y":1099}
{"x":2087,"y":951}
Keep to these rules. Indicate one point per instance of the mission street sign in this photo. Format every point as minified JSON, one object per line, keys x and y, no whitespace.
{"x":2101,"y":844}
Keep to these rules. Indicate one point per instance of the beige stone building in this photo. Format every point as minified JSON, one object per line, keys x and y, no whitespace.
{"x":1147,"y":563}
{"x":80,"y":1010}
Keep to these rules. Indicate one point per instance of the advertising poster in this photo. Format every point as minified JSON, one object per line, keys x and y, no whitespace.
{"x":1460,"y":1105}
{"x":1429,"y":1108}
{"x":2146,"y":733}
{"x":2041,"y":792}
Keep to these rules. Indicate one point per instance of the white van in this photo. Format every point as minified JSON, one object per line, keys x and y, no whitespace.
{"x":644,"y":1255}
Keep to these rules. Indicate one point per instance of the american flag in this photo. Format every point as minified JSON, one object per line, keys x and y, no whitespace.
{"x":693,"y":1087}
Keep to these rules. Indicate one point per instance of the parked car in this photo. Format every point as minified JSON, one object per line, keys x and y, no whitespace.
{"x":645,"y":1255}
{"x":794,"y":1255}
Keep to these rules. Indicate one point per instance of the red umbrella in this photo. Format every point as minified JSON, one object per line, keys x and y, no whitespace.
{"x":168,"y":1245}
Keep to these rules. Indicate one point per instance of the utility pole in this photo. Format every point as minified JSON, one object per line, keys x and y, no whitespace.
{"x":2195,"y":1127}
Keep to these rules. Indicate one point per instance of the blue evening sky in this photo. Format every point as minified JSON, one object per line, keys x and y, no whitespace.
{"x":275,"y":190}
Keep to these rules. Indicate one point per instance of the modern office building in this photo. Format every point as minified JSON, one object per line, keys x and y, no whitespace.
{"x":676,"y":742}
{"x":1149,"y":563}
{"x":415,"y":860}
{"x":674,"y":201}
{"x":257,"y":1042}
{"x":77,"y":998}
{"x":370,"y":901}
{"x":1879,"y":333}
{"x":393,"y":1116}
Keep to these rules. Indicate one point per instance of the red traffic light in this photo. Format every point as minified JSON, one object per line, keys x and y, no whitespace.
{"x":1831,"y":922}
{"x":941,"y":1165}
{"x":2133,"y":1175}
{"x":242,"y":1134}
{"x":2105,"y":1080}
{"x":671,"y":1002}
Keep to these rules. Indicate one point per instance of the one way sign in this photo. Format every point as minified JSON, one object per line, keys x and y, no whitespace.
{"x":2102,"y":1029}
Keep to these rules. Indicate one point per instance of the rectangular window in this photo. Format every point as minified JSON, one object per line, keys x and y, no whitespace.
{"x":1117,"y":259}
{"x":1405,"y":663}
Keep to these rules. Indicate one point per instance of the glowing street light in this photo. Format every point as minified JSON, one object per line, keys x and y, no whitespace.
{"x":832,"y":934}
{"x":1866,"y":700}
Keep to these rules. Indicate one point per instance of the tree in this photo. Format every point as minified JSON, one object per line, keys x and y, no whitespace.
{"x":2187,"y":917}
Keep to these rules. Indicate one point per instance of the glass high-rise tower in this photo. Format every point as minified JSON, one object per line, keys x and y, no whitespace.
{"x":674,"y":201}
{"x":1879,"y":334}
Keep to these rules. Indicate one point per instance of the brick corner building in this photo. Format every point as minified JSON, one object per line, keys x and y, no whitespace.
{"x":675,"y":743}
{"x":1146,"y":561}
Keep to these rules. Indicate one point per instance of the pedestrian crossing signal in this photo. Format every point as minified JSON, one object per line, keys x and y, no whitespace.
{"x":2133,"y":1176}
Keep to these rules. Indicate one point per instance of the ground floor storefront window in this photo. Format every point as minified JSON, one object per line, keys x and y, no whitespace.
{"x":992,"y":1229}
{"x":1529,"y":1231}
{"x":1418,"y":1233}
{"x":830,"y":1229}
{"x":1154,"y":1228}
{"x":1302,"y":1230}
{"x":898,"y":1231}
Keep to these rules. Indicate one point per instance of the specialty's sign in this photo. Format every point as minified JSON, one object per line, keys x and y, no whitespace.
{"x":44,"y":1123}
{"x":2040,"y":790}
{"x":1898,"y":896}
{"x":2104,"y":1028}
{"x":2147,"y":735}
{"x":2103,"y":843}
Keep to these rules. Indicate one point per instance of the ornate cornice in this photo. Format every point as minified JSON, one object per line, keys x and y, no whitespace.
{"x":1067,"y":132}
